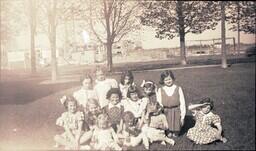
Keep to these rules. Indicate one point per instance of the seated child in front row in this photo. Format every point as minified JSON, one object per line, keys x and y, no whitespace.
{"x":155,"y":123}
{"x":115,"y":109}
{"x":104,"y":136}
{"x":91,"y":112}
{"x":131,"y":134}
{"x":73,"y":122}
{"x":203,"y":132}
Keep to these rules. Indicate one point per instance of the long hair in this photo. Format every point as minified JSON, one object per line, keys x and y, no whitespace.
{"x":128,"y":74}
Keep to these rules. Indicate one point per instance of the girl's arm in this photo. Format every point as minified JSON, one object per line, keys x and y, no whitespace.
{"x":120,"y":127}
{"x":114,"y":135}
{"x":159,"y":96}
{"x":182,"y":105}
{"x":143,"y":119}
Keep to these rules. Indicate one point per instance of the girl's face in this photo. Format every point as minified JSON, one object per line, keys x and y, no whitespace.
{"x":103,"y":124}
{"x":134,"y":96}
{"x":87,"y":84}
{"x":168,"y":81}
{"x":93,"y":108}
{"x":127,"y":80}
{"x":100,"y":75}
{"x":114,"y":99}
{"x":71,"y":107}
{"x":206,"y":109}
{"x":148,"y":90}
{"x":130,"y":122}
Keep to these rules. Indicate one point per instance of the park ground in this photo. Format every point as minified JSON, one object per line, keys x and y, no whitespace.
{"x":30,"y":106}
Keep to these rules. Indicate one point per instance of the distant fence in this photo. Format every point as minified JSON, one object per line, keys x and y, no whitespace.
{"x":209,"y":46}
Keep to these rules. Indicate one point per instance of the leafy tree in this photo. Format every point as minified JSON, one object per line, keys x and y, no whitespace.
{"x":241,"y":14}
{"x":177,"y":18}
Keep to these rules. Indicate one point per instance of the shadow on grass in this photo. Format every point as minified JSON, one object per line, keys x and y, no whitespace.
{"x":27,"y":91}
{"x":189,"y":123}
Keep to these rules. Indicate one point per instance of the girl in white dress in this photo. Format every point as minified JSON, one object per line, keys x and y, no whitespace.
{"x":86,"y":91}
{"x":135,"y":103}
{"x":104,"y":136}
{"x":103,"y":85}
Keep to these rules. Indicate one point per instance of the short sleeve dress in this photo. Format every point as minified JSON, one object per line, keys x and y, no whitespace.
{"x":203,"y":132}
{"x":71,"y":121}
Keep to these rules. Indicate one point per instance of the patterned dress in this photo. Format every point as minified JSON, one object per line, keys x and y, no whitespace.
{"x":203,"y":132}
{"x":71,"y":121}
{"x":115,"y":114}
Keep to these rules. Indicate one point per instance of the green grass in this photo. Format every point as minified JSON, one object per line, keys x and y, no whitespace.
{"x":232,"y":90}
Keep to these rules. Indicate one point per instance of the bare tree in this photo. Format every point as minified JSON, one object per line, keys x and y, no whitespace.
{"x":114,"y":19}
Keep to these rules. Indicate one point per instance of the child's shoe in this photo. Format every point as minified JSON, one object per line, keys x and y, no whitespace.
{"x":163,"y":143}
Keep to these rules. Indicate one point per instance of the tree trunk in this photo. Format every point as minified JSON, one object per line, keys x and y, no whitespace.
{"x":109,"y":57}
{"x":32,"y":35}
{"x":32,"y":50}
{"x":223,"y":36}
{"x":52,"y":24}
{"x":0,"y":40}
{"x":181,"y":33}
{"x":53,"y":54}
{"x":238,"y":28}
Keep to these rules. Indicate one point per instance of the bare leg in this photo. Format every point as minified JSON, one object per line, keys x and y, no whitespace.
{"x":62,"y":141}
{"x":85,"y":137}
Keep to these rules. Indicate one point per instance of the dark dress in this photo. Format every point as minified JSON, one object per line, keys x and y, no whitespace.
{"x":172,"y":111}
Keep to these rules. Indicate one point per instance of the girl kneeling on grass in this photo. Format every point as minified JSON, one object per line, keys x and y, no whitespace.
{"x":76,"y":130}
{"x":203,"y":132}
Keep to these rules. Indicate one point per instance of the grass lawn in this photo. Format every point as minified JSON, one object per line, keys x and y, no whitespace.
{"x":28,"y":109}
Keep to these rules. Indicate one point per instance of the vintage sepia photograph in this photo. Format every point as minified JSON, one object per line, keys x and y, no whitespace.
{"x":127,"y":75}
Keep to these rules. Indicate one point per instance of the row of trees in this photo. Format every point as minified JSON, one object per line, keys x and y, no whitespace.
{"x":111,"y":20}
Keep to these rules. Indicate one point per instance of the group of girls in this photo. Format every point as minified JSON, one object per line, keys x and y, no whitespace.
{"x":107,"y":115}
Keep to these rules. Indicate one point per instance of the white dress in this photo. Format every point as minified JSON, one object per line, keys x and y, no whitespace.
{"x":102,"y":87}
{"x":83,"y":95}
{"x":124,"y":89}
{"x":136,"y":108}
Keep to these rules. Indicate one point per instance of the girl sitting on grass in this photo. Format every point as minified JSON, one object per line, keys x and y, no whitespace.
{"x":115,"y":109}
{"x":104,"y":136}
{"x":76,"y":130}
{"x":92,"y":111}
{"x":208,"y":127}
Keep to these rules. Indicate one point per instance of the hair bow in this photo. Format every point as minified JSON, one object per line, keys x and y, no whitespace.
{"x":63,"y":99}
